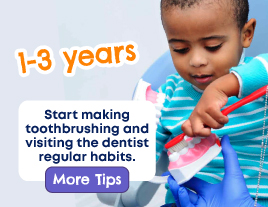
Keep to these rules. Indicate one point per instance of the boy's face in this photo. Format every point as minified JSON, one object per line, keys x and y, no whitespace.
{"x":204,"y":41}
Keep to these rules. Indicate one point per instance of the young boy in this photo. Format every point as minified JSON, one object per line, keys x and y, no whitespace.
{"x":206,"y":40}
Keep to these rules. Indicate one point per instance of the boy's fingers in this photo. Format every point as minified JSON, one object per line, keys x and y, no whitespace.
{"x":199,"y":130}
{"x":186,"y":127}
{"x":211,"y":122}
{"x":218,"y":116}
{"x":231,"y":163}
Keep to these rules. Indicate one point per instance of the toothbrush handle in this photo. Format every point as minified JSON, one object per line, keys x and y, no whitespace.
{"x":257,"y":94}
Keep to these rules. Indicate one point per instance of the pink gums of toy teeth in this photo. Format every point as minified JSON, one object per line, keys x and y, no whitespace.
{"x":188,"y":155}
{"x":144,"y":92}
{"x":199,"y":151}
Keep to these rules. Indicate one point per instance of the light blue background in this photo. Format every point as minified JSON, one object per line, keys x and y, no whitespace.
{"x":31,"y":23}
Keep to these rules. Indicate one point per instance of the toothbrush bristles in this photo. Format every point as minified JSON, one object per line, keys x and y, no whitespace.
{"x":179,"y":146}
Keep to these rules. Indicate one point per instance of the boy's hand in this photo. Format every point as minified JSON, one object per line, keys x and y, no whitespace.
{"x":207,"y":113}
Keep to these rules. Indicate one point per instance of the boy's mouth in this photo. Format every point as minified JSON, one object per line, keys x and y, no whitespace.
{"x":202,"y":78}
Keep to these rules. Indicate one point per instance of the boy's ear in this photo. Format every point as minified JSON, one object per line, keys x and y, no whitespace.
{"x":248,"y":32}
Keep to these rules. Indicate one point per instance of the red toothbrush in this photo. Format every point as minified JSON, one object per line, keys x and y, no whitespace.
{"x":257,"y":94}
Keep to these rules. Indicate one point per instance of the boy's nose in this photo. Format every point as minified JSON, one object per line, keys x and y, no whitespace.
{"x":198,"y":60}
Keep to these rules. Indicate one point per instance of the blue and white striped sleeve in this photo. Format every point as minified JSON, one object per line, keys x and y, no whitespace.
{"x":252,"y":75}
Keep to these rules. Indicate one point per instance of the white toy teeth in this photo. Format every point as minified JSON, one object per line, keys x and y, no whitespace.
{"x":185,"y":160}
{"x":198,"y":153}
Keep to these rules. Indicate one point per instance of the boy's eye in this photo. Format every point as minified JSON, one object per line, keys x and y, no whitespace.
{"x":214,"y":48}
{"x":181,"y":51}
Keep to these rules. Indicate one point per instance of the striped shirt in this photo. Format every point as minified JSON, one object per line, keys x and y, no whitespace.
{"x":245,"y":126}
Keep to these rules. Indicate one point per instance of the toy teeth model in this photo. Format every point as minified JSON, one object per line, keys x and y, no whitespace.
{"x":189,"y":155}
{"x":144,"y":92}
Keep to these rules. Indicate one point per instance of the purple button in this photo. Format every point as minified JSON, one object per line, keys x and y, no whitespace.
{"x":87,"y":179}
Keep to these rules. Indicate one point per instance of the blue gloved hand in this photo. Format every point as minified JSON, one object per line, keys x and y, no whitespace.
{"x":232,"y":191}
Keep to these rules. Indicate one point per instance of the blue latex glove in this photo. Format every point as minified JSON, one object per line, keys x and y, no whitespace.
{"x":232,"y":191}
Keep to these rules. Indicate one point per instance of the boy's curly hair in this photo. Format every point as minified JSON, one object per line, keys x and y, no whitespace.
{"x":240,"y":8}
